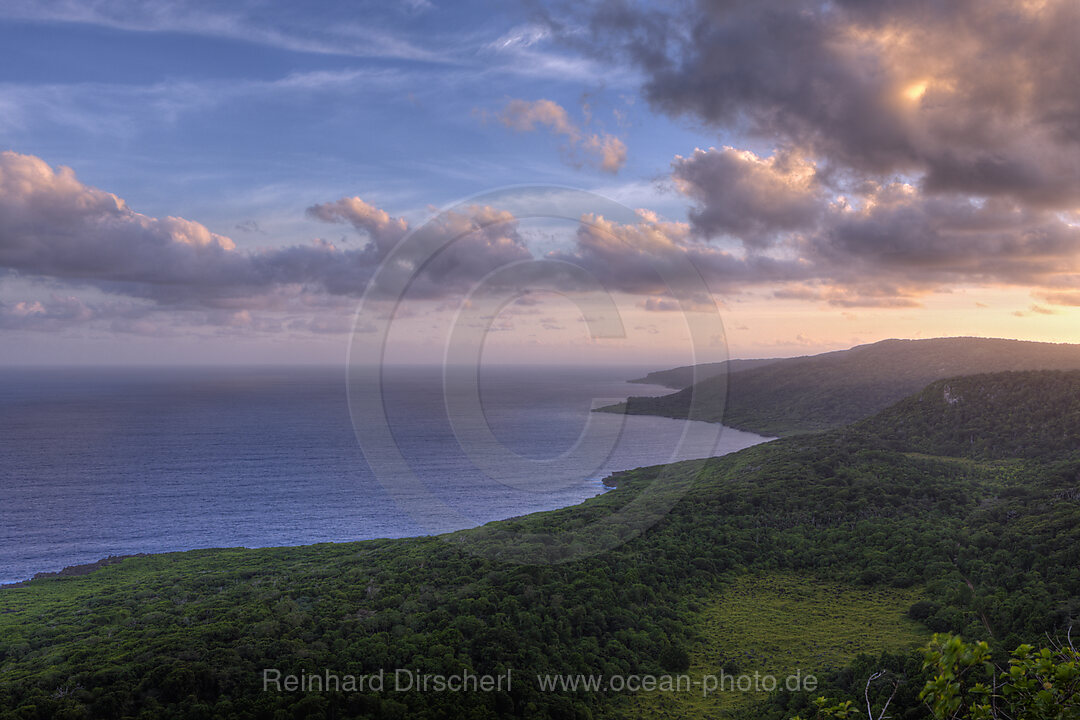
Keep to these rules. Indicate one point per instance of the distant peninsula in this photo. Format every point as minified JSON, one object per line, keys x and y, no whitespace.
{"x":790,"y":396}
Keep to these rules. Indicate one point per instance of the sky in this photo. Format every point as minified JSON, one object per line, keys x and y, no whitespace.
{"x":239,"y":182}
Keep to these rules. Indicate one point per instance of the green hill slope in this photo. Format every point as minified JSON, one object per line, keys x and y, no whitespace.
{"x":1000,"y":415}
{"x":993,"y":547}
{"x":818,"y":392}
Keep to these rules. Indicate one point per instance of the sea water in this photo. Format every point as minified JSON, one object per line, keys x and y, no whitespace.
{"x":109,"y":461}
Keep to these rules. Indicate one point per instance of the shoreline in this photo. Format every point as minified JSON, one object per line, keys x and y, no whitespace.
{"x":87,"y":568}
{"x":76,"y":569}
{"x":606,"y":484}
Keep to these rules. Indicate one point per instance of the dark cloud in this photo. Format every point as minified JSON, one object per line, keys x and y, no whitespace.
{"x":746,"y":196}
{"x":897,"y":233}
{"x":971,"y":96}
{"x":900,"y":147}
{"x":873,"y":243}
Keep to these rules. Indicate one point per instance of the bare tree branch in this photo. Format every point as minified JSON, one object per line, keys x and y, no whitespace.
{"x":866,"y":694}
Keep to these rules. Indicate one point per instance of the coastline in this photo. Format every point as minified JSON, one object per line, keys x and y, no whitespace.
{"x":74,"y":570}
{"x":607,"y":484}
{"x":598,"y":485}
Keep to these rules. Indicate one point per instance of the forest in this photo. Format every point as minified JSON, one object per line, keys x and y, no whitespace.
{"x":962,"y":499}
{"x":826,"y":391}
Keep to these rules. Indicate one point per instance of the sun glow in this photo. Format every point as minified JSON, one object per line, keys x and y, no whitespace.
{"x":916,"y":90}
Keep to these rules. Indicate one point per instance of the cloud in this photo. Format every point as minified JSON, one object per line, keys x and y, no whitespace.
{"x":250,"y":226}
{"x":58,"y":312}
{"x":54,"y":226}
{"x":525,"y":50}
{"x":971,"y":96}
{"x":274,"y":25}
{"x":1069,"y":299}
{"x":521,"y":36}
{"x":898,"y":149}
{"x":525,"y":116}
{"x":377,"y":224}
{"x":894,"y":232}
{"x":459,"y":248}
{"x":55,"y":314}
{"x":882,"y":244}
{"x":610,"y":151}
{"x":1035,"y":310}
{"x":854,"y":295}
{"x":750,"y":197}
{"x":665,"y":304}
{"x":121,"y":109}
{"x":602,"y":149}
{"x":656,"y":258}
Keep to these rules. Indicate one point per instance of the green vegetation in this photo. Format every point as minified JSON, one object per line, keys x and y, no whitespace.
{"x":990,"y":546}
{"x":780,"y":623}
{"x":1037,"y":684}
{"x":820,"y":392}
{"x":1004,"y":415}
{"x":962,"y":682}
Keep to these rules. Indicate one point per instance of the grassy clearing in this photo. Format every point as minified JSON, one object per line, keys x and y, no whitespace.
{"x":780,"y":623}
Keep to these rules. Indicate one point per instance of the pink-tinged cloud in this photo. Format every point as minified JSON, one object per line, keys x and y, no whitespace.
{"x":383,"y":230}
{"x":881,"y":245}
{"x":526,"y":116}
{"x":54,"y":226}
{"x":1069,"y":299}
{"x":609,"y":151}
{"x":51,"y":224}
{"x":656,"y":258}
{"x":601,"y":149}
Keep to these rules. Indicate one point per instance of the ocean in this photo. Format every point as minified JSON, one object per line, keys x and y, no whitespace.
{"x":110,"y":461}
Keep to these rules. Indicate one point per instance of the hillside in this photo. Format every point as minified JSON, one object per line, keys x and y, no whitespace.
{"x":819,"y":392}
{"x":680,"y":377}
{"x":991,"y":546}
{"x":993,"y":416}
